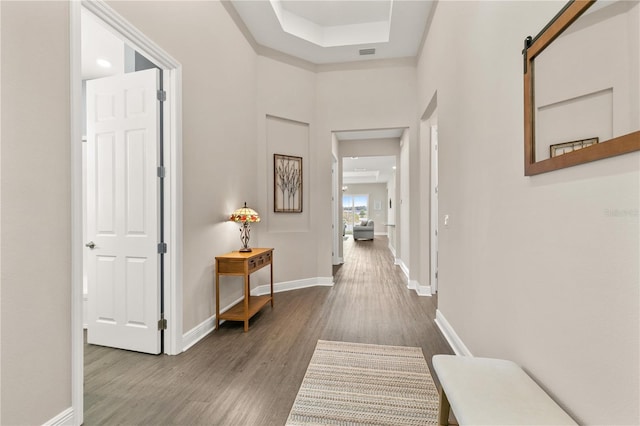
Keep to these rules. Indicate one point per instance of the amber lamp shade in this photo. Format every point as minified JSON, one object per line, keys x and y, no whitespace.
{"x":245,"y":216}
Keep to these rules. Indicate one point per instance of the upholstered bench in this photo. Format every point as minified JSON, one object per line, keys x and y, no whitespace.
{"x":485,"y":391}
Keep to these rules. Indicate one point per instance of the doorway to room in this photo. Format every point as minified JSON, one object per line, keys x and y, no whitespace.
{"x":367,"y":187}
{"x":155,"y":180}
{"x":122,"y":192}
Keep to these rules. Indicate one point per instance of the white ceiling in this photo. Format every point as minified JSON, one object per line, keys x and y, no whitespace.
{"x":99,"y":43}
{"x":367,"y":169}
{"x":333,"y":31}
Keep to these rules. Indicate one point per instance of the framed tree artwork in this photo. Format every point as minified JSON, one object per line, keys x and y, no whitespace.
{"x":287,"y":184}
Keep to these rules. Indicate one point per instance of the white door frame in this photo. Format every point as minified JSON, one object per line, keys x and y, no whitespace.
{"x":434,"y":208}
{"x":172,"y":129}
{"x":337,"y":226}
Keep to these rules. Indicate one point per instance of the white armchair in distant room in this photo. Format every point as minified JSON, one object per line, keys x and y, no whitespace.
{"x":364,"y":231}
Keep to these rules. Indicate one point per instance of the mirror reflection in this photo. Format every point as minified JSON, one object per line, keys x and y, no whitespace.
{"x":587,"y":82}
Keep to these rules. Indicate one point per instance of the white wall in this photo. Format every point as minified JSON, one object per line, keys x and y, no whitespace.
{"x":541,"y":270}
{"x":35,"y":241}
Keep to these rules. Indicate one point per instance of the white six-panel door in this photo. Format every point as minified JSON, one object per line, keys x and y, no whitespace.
{"x":122,"y":212}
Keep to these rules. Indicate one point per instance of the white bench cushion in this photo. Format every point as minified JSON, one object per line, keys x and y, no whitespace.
{"x":485,"y":391}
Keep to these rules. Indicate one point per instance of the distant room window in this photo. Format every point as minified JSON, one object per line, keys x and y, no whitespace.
{"x":355,"y":209}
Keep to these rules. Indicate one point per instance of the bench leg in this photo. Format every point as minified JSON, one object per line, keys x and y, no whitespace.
{"x":443,"y":412}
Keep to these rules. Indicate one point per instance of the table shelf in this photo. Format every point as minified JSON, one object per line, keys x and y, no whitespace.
{"x":243,"y":264}
{"x":236,"y":312}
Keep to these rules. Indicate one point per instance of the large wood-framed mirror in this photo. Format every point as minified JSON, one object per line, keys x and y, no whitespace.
{"x":582,"y":86}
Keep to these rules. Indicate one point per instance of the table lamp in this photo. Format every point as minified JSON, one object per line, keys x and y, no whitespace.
{"x":245,"y":216}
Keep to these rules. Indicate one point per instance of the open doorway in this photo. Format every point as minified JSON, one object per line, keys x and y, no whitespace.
{"x":165,"y":164}
{"x":367,"y":184}
{"x":122,"y":192}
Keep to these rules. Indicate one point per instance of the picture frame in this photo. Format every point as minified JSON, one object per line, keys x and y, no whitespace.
{"x":565,"y":147}
{"x":287,"y":184}
{"x":533,"y":47}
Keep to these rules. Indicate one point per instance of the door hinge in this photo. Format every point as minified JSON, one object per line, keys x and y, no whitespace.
{"x":162,"y":172}
{"x":162,"y":95}
{"x":162,"y":248}
{"x":162,"y":323}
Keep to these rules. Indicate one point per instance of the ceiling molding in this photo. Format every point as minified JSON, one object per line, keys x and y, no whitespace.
{"x":325,"y":24}
{"x":264,"y":50}
{"x":235,"y":17}
{"x":283,"y":48}
{"x":368,"y":64}
{"x":277,"y":55}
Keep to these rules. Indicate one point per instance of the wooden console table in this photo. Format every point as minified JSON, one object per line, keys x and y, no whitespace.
{"x":243,"y":264}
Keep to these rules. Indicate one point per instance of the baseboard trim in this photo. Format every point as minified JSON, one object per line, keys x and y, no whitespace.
{"x":402,"y":266}
{"x":338,"y":261}
{"x":198,"y":333}
{"x":421,"y":290}
{"x":452,"y":337}
{"x":207,"y":326}
{"x":393,"y":253}
{"x":66,"y":418}
{"x":293,"y":285}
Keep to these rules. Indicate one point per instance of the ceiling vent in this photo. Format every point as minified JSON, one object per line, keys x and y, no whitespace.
{"x":371,"y":51}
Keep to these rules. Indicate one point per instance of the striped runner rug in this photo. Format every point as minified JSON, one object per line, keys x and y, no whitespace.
{"x":358,"y":384}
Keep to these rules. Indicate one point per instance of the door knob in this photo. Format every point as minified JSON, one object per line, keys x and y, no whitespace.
{"x":90,"y":244}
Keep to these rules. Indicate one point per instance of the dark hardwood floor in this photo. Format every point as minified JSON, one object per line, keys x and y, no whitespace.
{"x":237,"y":378}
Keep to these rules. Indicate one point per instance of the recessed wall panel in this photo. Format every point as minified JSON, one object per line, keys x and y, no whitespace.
{"x":136,"y":209}
{"x":105,"y":107}
{"x":287,"y":137}
{"x":105,"y":288}
{"x":105,"y":183}
{"x":135,"y":283}
{"x":134,"y":102}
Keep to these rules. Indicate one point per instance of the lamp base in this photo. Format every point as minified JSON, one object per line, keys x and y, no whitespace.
{"x":245,"y":250}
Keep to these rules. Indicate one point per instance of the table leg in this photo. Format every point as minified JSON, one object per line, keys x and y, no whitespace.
{"x":247,"y":294}
{"x":217,"y":297}
{"x":443,"y":412}
{"x":271,"y":268}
